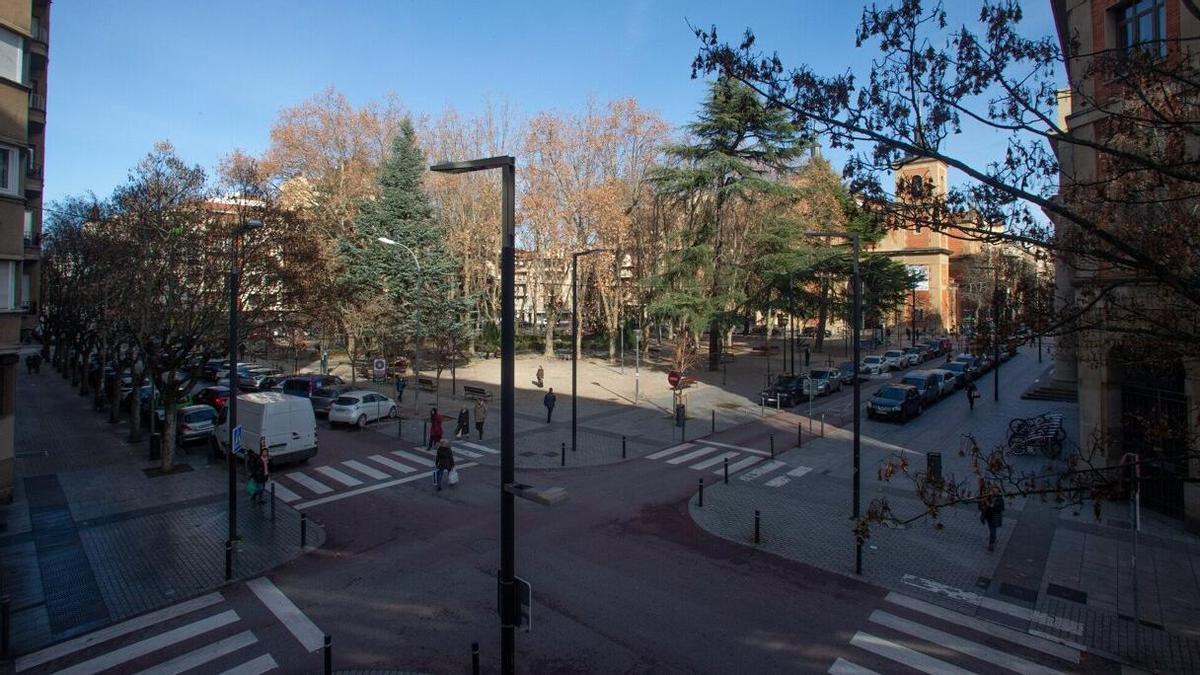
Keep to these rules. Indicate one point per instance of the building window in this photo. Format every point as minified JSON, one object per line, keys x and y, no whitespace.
{"x":12,"y":57}
{"x":9,"y":170}
{"x":8,"y":283}
{"x":1142,"y":25}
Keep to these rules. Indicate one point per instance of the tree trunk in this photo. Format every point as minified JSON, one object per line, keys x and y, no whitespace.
{"x":822,"y":315}
{"x":714,"y":346}
{"x":548,"y":349}
{"x":135,"y":415}
{"x":352,"y":352}
{"x":167,"y":434}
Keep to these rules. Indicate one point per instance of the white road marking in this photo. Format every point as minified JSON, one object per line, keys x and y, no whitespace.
{"x":799,"y":471}
{"x":778,"y":481}
{"x":139,"y":649}
{"x":1010,"y":609}
{"x":844,"y":667}
{"x":310,"y":637}
{"x":391,"y":464}
{"x":283,"y":493}
{"x":365,"y":470}
{"x":344,"y":479}
{"x":753,"y":451}
{"x":691,"y":455}
{"x":739,"y":465}
{"x":315,"y":486}
{"x":994,"y":629}
{"x":371,"y":488}
{"x":762,"y":470}
{"x":714,"y":460}
{"x":62,"y":649}
{"x":465,"y":453}
{"x":670,"y":451}
{"x":256,"y":666}
{"x":479,"y":447}
{"x":901,"y":654}
{"x":958,"y":644}
{"x":423,"y":461}
{"x":201,"y":656}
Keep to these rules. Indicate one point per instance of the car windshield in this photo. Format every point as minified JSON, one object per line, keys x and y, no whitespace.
{"x":874,"y":359}
{"x":891,"y":393}
{"x":820,"y":374}
{"x":918,"y":382}
{"x":201,"y":415}
{"x":325,"y":392}
{"x":219,"y":391}
{"x":956,"y":367}
{"x":346,"y":400}
{"x":295,"y":385}
{"x":784,"y":380}
{"x":891,"y":355}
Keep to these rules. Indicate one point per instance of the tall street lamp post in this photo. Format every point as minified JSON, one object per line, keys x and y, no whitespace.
{"x":231,"y":458}
{"x":508,"y":595}
{"x":417,"y":343}
{"x":856,"y":320}
{"x":575,"y":338}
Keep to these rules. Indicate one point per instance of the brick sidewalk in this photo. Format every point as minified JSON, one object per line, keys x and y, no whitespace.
{"x":90,"y":539}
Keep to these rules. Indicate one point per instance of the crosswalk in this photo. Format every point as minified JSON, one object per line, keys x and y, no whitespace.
{"x":914,"y":634}
{"x":211,"y":633}
{"x":750,"y":465}
{"x":321,"y":484}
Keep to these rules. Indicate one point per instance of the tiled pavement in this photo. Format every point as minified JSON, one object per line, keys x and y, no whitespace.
{"x":90,"y":539}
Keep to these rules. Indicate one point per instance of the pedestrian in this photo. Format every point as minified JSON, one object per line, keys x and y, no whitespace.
{"x":37,"y":363}
{"x":480,"y":416}
{"x":443,"y":463}
{"x":260,"y":472}
{"x":463,"y":427}
{"x":435,"y":427}
{"x":541,"y":374}
{"x":991,"y":513}
{"x":972,"y":394}
{"x":29,"y":364}
{"x":549,"y":400}
{"x":401,"y":383}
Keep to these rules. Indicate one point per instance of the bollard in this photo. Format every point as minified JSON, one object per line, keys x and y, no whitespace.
{"x":474,"y":658}
{"x":228,"y":560}
{"x":303,"y":530}
{"x":6,"y":629}
{"x":772,"y":446}
{"x":822,"y":425}
{"x":701,"y":493}
{"x":425,"y":432}
{"x":810,"y":429}
{"x":727,"y":471}
{"x":622,"y":447}
{"x":399,"y":426}
{"x":564,"y":454}
{"x":756,"y":530}
{"x":799,"y":434}
{"x":272,"y":501}
{"x":683,"y":430}
{"x":328,"y":655}
{"x":714,"y":421}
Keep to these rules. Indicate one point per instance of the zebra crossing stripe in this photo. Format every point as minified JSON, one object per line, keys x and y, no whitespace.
{"x":291,"y":616}
{"x":778,"y":481}
{"x":713,"y":460}
{"x":762,"y":470}
{"x":365,"y":470}
{"x":391,"y":464}
{"x":466,"y":453}
{"x":901,"y":654}
{"x":139,"y":649}
{"x":201,"y":656}
{"x":739,"y":465}
{"x":313,"y":485}
{"x":958,"y":644}
{"x":670,"y":451}
{"x":482,"y":448}
{"x":691,"y":455}
{"x":844,"y":667}
{"x":283,"y":493}
{"x":423,"y":461}
{"x":799,"y":471}
{"x":753,"y":451}
{"x":344,"y":479}
{"x":258,"y":666}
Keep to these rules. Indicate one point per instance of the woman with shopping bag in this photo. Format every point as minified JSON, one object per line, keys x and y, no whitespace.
{"x":443,"y":464}
{"x":260,"y":472}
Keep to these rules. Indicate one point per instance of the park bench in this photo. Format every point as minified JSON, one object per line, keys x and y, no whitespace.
{"x":654,"y":351}
{"x":476,"y":393}
{"x":1044,"y":432}
{"x":563,"y":354}
{"x":427,"y":383}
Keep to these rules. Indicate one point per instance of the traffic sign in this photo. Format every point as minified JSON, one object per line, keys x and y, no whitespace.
{"x":673,"y":377}
{"x":379,"y":365}
{"x":237,"y":440}
{"x":524,"y":601}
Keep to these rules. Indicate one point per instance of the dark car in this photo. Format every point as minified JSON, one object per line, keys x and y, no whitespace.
{"x":305,"y":385}
{"x":217,"y":397}
{"x":895,"y":401}
{"x":323,"y":398}
{"x":848,"y":371}
{"x":962,"y":373}
{"x":973,"y":365}
{"x":784,"y":392}
{"x":929,"y":385}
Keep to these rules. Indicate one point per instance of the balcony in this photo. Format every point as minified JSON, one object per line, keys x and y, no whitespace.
{"x":37,"y":113}
{"x":40,"y":44}
{"x":33,"y":244}
{"x":33,"y":182}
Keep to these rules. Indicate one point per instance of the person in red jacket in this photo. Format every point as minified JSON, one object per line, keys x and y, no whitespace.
{"x":435,"y":428}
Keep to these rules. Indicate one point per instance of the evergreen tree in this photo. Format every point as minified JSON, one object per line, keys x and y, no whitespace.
{"x":741,"y":148}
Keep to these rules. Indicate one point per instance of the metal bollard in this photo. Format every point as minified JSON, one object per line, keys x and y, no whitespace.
{"x":822,"y":425}
{"x":228,"y":560}
{"x":683,"y":430}
{"x":425,"y":432}
{"x":756,"y":529}
{"x":6,"y":629}
{"x":714,"y":421}
{"x":564,"y":454}
{"x":272,"y":501}
{"x":622,"y":447}
{"x":328,"y":655}
{"x":474,"y":658}
{"x":810,"y":428}
{"x":727,"y":471}
{"x":772,"y":446}
{"x":701,"y":493}
{"x":303,"y":530}
{"x":799,"y":434}
{"x":399,"y":426}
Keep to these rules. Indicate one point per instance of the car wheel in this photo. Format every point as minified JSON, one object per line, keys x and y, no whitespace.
{"x":362,"y":421}
{"x":392,"y":412}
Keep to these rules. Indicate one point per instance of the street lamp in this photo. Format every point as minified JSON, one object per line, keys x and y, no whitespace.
{"x":417,"y":343}
{"x":575,"y":335}
{"x":234,"y":240}
{"x":508,"y":595}
{"x":856,"y":319}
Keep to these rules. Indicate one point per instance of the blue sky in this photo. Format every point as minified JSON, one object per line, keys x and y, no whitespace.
{"x":211,"y":76}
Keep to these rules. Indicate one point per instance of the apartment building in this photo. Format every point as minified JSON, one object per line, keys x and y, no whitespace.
{"x":24,"y":58}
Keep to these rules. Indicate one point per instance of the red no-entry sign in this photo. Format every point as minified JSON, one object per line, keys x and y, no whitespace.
{"x":673,"y":377}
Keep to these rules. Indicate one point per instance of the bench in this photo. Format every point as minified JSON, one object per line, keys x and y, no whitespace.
{"x":563,"y":354}
{"x":427,"y":383}
{"x":476,"y":393}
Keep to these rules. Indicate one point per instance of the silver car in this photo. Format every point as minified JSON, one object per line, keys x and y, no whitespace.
{"x":822,"y":381}
{"x":195,"y":423}
{"x":949,"y":381}
{"x":359,"y":407}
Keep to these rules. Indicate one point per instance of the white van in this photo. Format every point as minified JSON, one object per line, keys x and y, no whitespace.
{"x":287,"y":422}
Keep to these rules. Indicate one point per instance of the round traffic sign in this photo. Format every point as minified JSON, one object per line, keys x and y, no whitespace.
{"x":673,"y":377}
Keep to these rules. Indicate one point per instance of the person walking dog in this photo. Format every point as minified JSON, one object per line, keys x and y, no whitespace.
{"x":541,"y":374}
{"x":991,"y":513}
{"x":480,"y":416}
{"x":549,"y":400}
{"x":444,"y":463}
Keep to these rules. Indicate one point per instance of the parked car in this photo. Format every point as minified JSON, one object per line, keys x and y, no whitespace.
{"x":358,"y":407}
{"x":195,"y":424}
{"x":287,"y":422}
{"x":253,"y":378}
{"x":915,"y":355}
{"x":895,"y":359}
{"x":948,"y":382}
{"x":216,"y":396}
{"x":927,"y":383}
{"x":785,"y":391}
{"x":305,"y":385}
{"x":874,"y":365}
{"x":848,"y":371}
{"x":972,"y":363}
{"x":895,"y":401}
{"x":211,"y":367}
{"x":811,"y":331}
{"x":822,"y":381}
{"x":322,"y":398}
{"x":962,"y":373}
